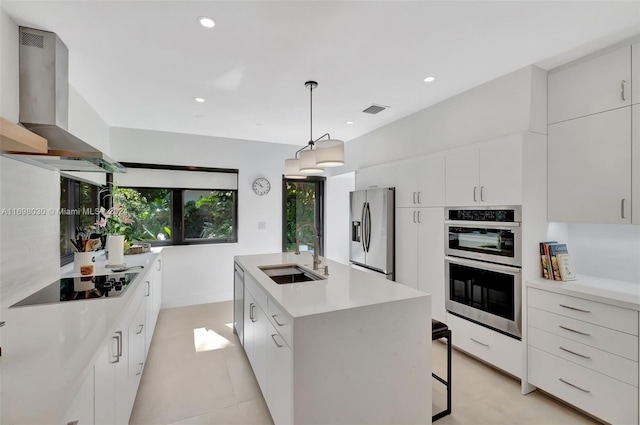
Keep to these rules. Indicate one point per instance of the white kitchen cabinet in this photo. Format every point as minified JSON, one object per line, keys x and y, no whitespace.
{"x":584,"y":352}
{"x":367,"y":178}
{"x":420,"y":183}
{"x":420,"y":253}
{"x":255,"y":337}
{"x":596,"y":85}
{"x":137,"y":345}
{"x":280,"y":381}
{"x":81,"y":410}
{"x":490,"y":346}
{"x":105,"y":384}
{"x":153,"y":300}
{"x":589,"y":169}
{"x":487,"y":175}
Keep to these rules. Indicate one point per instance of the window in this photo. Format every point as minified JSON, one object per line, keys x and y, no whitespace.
{"x":79,"y":204}
{"x":178,"y":205}
{"x":303,"y":202}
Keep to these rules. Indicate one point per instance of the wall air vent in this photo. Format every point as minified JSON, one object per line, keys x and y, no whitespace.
{"x":374,"y":109}
{"x":32,"y":40}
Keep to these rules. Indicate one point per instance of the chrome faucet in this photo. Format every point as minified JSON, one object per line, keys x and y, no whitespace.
{"x":316,"y":261}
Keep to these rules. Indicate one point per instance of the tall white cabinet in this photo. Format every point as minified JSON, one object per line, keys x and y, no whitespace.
{"x":592,"y":166}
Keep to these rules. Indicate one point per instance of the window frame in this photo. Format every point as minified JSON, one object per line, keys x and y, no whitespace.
{"x":177,"y":204}
{"x":319,"y":216}
{"x":73,"y":200}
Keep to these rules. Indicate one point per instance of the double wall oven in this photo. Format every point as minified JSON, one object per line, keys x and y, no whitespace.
{"x":483,"y":264}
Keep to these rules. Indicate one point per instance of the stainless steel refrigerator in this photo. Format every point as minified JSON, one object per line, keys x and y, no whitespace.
{"x":373,"y":230}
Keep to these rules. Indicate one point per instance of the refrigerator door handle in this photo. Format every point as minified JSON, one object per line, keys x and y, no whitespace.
{"x":363,"y":227}
{"x":368,"y":227}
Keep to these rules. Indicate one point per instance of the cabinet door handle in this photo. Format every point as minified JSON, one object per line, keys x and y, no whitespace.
{"x":419,"y":217}
{"x":139,"y":369}
{"x":148,"y":288}
{"x":273,"y":337}
{"x":478,"y":342}
{"x":140,"y":328}
{"x":482,"y":193}
{"x":574,"y":353}
{"x":475,"y":193}
{"x":159,"y":265}
{"x":419,"y":198}
{"x":622,"y":208}
{"x":574,"y":386}
{"x":276,"y":320}
{"x":251,"y":306}
{"x":414,"y":217}
{"x":574,"y":331}
{"x":574,"y":308}
{"x":118,"y":348}
{"x":414,"y":197}
{"x":622,"y":89}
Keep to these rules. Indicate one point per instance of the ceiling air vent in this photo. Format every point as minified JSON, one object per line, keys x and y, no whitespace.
{"x":33,"y":40}
{"x":374,"y":109}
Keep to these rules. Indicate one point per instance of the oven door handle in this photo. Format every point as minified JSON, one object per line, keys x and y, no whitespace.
{"x":476,"y":224}
{"x":483,"y":265}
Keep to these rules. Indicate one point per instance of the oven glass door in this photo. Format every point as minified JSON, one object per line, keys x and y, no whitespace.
{"x":486,"y":290}
{"x":488,"y":243}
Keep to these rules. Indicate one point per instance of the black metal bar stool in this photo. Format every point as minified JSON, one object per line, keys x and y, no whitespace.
{"x":441,"y":330}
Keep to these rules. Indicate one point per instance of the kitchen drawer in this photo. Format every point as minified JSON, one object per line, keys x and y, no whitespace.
{"x":280,"y":320}
{"x":615,"y":342}
{"x":617,"y":367}
{"x":259,"y":295}
{"x":490,"y":346}
{"x":609,"y":316}
{"x":598,"y":394}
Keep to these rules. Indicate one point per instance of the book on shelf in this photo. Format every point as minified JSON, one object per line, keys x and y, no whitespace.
{"x":554,"y":250}
{"x":547,"y":271}
{"x":565,"y":266}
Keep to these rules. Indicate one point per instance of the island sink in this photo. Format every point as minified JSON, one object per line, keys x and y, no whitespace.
{"x":289,"y":273}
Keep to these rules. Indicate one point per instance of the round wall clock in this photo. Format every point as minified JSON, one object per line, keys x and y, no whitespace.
{"x":261,"y":186}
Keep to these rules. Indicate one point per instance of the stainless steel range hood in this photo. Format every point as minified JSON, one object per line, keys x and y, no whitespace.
{"x":44,"y":107}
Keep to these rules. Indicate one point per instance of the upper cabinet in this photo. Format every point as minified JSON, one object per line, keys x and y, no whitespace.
{"x":589,"y":177}
{"x":595,"y":85}
{"x":592,"y":140}
{"x":488,"y":175}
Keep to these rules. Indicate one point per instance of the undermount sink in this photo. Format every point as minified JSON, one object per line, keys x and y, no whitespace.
{"x":289,"y":273}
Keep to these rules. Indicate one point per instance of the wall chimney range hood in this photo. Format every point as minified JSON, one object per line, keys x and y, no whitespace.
{"x":44,"y":107}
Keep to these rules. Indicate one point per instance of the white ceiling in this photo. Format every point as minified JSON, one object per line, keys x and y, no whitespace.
{"x":141,"y":63}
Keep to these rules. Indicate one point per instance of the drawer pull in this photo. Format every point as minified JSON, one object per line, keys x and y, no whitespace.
{"x":573,"y":330}
{"x":478,"y":342}
{"x":574,"y":353}
{"x":574,"y":308}
{"x":140,"y":365}
{"x":273,"y":337}
{"x":574,"y":386}
{"x":140,"y":328}
{"x":276,"y":320}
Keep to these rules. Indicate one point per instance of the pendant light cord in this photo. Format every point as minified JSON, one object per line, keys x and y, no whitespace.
{"x":311,"y":115}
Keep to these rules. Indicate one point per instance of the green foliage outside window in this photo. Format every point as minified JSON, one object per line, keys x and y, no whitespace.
{"x":150,"y":210}
{"x":208,"y":214}
{"x":300,"y":208}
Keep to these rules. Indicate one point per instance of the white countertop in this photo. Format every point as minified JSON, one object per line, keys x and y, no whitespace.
{"x":344,"y":288}
{"x":47,"y":350}
{"x":608,"y":291}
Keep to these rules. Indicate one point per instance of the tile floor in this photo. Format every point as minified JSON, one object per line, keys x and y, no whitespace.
{"x":197,"y":373}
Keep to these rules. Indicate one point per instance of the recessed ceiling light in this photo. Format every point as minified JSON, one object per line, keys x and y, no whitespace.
{"x":199,"y":99}
{"x":429,"y":79}
{"x":206,"y":22}
{"x":349,"y":122}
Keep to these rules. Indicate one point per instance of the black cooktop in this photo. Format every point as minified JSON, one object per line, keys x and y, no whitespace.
{"x":112,"y":285}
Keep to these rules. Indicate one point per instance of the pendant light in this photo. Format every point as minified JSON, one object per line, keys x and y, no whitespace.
{"x":309,"y":161}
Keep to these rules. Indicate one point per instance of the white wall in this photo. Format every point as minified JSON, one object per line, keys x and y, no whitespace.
{"x":337,"y":230}
{"x":29,"y":244}
{"x":500,"y":107}
{"x":204,"y":273}
{"x":609,"y":251}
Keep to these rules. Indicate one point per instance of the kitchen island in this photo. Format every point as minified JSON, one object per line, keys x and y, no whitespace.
{"x":349,"y":348}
